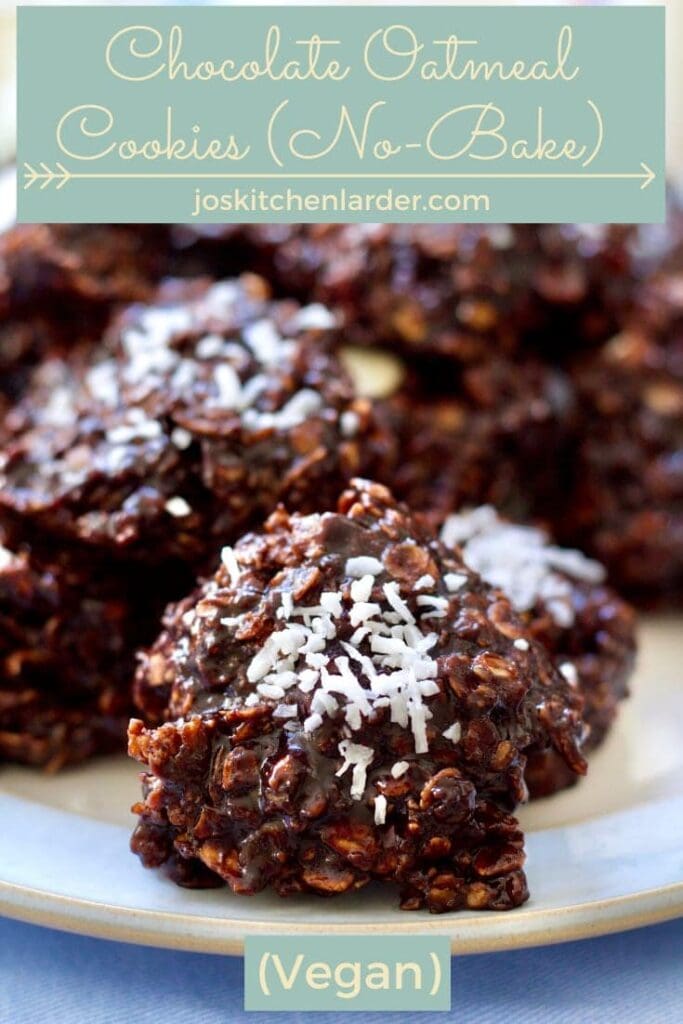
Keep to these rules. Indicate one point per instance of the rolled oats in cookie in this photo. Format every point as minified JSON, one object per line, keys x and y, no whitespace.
{"x":566,"y":605}
{"x":346,"y":701}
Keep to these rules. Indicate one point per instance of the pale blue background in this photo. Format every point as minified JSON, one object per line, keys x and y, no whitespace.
{"x":51,"y":978}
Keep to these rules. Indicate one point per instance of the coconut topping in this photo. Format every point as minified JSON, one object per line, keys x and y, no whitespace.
{"x":102,"y":382}
{"x":425,"y":582}
{"x":239,"y":377}
{"x":59,"y":410}
{"x":570,"y":673}
{"x":229,"y":560}
{"x":349,"y":423}
{"x":521,"y":561}
{"x":454,"y":732}
{"x":178,"y":507}
{"x":181,"y":438}
{"x":7,"y":557}
{"x":387,"y":664}
{"x":363,"y":566}
{"x":358,"y":758}
{"x":315,"y":316}
{"x":137,"y":428}
{"x":454,"y":581}
{"x":380,"y":809}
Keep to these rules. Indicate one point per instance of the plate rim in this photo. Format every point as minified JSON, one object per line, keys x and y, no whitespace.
{"x":224,"y":935}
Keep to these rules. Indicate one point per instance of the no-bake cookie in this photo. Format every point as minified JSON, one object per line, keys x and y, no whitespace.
{"x":346,"y":701}
{"x":196,"y":416}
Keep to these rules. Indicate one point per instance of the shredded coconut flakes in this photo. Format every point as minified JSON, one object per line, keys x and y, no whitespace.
{"x":454,"y":732}
{"x":285,"y":711}
{"x":424,"y":583}
{"x":361,"y":589}
{"x":181,"y":438}
{"x":6,"y":557}
{"x":357,"y":757}
{"x":315,"y":316}
{"x":178,"y":507}
{"x":363,"y":566}
{"x":229,"y":560}
{"x":570,"y":673}
{"x":520,"y":561}
{"x":454,"y":581}
{"x":349,"y":423}
{"x":151,"y":359}
{"x":387,"y":664}
{"x":139,"y":428}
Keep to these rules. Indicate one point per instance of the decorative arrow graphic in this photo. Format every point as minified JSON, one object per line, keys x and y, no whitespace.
{"x":46,"y":176}
{"x":649,"y":176}
{"x":59,"y":177}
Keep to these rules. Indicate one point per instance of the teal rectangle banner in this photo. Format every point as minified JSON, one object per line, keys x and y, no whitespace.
{"x":418,"y":114}
{"x":347,"y":972}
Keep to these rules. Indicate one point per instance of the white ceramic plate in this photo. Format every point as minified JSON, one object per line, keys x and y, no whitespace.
{"x":604,"y":856}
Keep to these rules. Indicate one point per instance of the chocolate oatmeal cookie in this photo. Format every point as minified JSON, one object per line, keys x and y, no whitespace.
{"x":346,"y":701}
{"x":196,"y":417}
